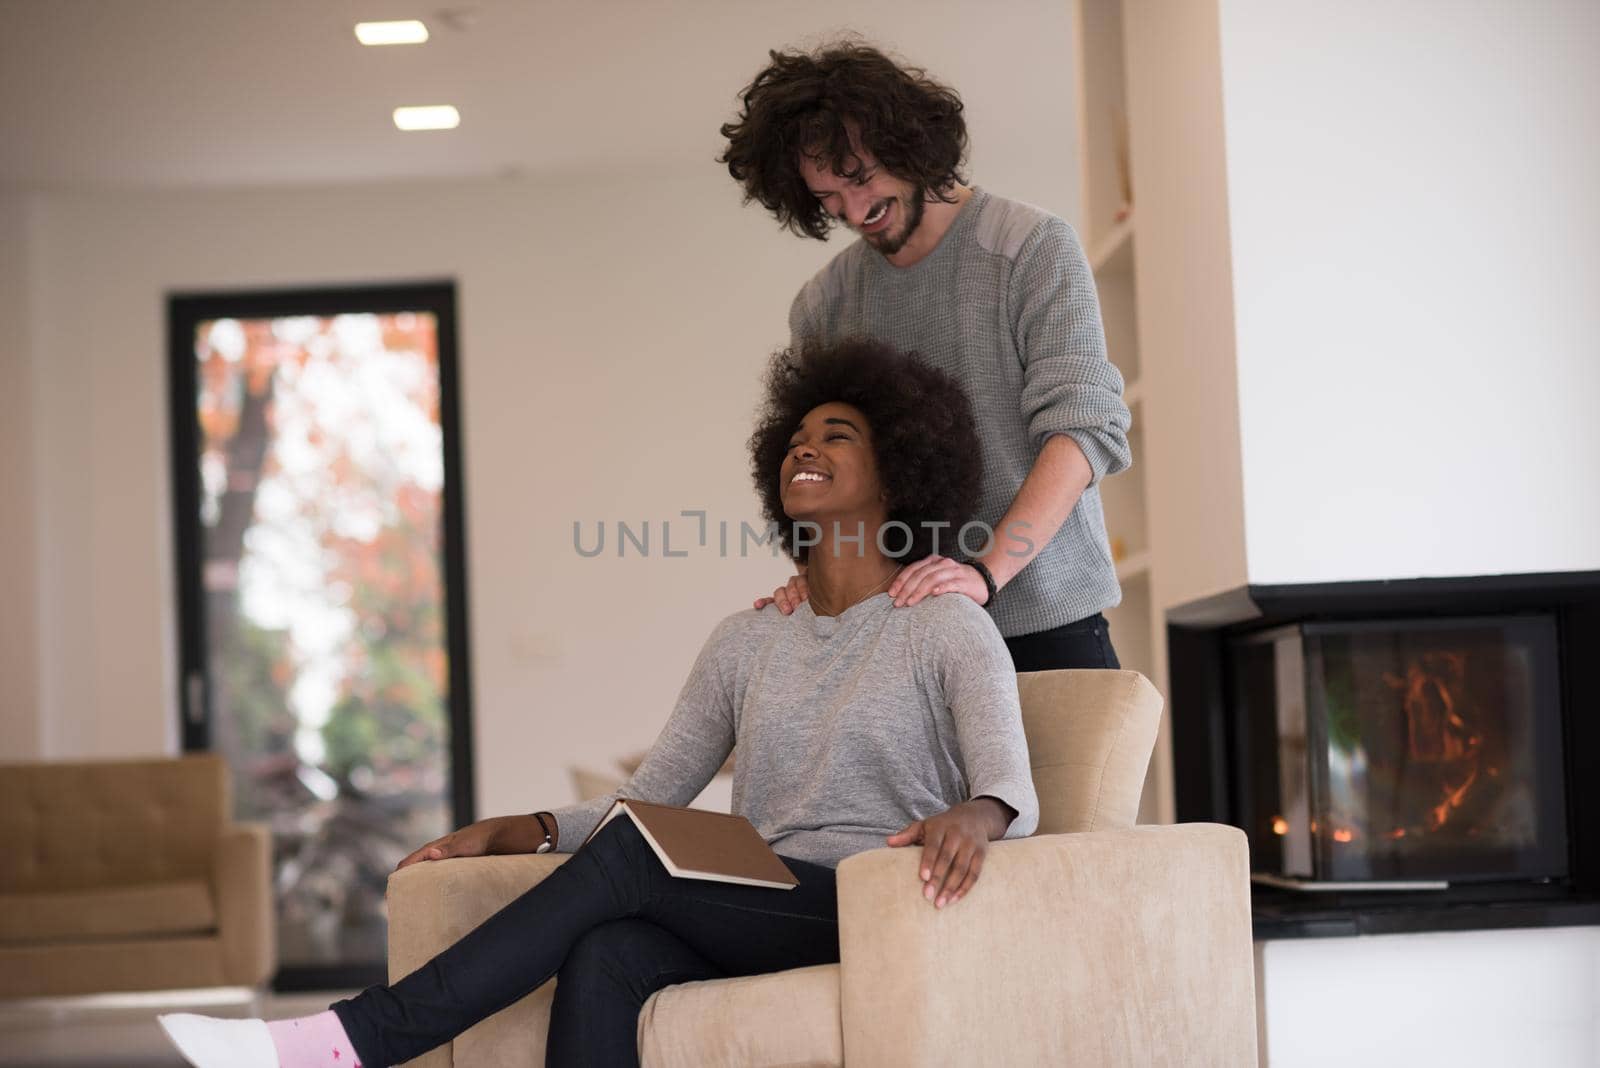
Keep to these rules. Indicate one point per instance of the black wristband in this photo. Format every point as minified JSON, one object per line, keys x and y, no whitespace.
{"x":549,"y":840}
{"x":988,"y":580}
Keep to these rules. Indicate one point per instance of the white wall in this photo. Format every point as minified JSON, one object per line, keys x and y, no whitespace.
{"x":1416,"y":254}
{"x":1468,"y":999}
{"x":613,"y":331}
{"x":611,"y":337}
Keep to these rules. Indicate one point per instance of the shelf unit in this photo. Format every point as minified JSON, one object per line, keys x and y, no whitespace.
{"x":1133,"y":566}
{"x":1109,"y":230}
{"x":1113,"y":254}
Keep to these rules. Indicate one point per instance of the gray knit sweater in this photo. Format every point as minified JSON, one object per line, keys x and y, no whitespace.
{"x":1006,"y":303}
{"x":847,"y":728}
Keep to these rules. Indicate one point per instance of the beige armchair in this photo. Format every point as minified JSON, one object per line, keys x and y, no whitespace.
{"x":129,"y":875}
{"x":1092,"y":943}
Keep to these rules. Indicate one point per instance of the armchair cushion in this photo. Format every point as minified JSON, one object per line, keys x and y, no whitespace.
{"x":1107,"y":948}
{"x":782,"y":1020}
{"x":162,"y":963}
{"x":1090,"y":734}
{"x":79,"y":826}
{"x":152,"y":909}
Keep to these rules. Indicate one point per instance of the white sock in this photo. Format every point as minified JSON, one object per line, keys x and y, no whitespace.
{"x":209,"y":1042}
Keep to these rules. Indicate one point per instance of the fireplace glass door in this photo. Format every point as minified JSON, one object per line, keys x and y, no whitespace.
{"x":1415,"y":749}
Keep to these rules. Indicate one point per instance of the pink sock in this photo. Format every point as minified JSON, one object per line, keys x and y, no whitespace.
{"x":313,"y":1042}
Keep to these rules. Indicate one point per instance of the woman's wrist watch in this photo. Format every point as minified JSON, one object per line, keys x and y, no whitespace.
{"x":549,"y":840}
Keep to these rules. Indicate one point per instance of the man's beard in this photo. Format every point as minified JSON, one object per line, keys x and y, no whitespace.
{"x":912,"y":208}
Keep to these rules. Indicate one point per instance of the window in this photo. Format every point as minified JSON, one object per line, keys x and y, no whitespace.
{"x":322,"y":590}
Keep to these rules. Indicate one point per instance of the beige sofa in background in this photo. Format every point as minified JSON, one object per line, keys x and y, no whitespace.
{"x":1092,"y":943}
{"x":129,"y":875}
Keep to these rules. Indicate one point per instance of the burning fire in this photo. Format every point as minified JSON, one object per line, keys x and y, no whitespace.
{"x":1436,"y":733}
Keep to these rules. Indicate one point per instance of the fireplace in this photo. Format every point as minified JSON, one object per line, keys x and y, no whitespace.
{"x":1401,"y":751}
{"x":1403,"y":755}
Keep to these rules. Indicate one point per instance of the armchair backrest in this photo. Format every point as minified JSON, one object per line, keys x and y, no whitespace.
{"x":1090,"y":735}
{"x":77,"y":826}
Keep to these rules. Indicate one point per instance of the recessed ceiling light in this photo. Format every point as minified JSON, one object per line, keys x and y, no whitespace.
{"x":406,"y":31}
{"x":435,"y":117}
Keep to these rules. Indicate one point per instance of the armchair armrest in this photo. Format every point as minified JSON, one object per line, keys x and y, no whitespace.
{"x":241,"y":880}
{"x":1125,"y":947}
{"x":434,"y":903}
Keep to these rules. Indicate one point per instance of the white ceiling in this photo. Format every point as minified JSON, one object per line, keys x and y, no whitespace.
{"x":120,"y":93}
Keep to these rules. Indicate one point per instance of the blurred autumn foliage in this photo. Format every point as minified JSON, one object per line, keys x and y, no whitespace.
{"x":322,"y":513}
{"x":390,"y":714}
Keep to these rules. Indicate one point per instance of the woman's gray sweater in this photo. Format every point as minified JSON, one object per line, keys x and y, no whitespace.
{"x":847,"y":728}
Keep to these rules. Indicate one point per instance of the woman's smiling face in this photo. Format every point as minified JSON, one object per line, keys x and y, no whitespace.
{"x":830,"y":470}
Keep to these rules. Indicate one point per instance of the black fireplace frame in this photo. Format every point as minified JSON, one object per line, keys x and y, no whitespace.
{"x":1204,"y":743}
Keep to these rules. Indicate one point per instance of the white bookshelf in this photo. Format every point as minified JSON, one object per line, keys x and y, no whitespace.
{"x":1133,"y":566}
{"x":1133,"y":396}
{"x":1113,"y":254}
{"x":1109,"y":231}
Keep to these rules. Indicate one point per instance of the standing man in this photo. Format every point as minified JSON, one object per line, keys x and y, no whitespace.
{"x":995,"y":292}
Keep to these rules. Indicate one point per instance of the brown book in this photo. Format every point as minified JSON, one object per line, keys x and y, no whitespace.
{"x":695,"y":844}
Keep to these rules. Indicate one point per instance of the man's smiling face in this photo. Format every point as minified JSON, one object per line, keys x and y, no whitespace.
{"x":883,"y":209}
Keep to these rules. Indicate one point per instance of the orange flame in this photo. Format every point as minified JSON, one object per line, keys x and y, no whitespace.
{"x":1436,"y":732}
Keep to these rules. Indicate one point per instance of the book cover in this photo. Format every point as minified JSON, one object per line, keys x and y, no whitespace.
{"x":695,"y":844}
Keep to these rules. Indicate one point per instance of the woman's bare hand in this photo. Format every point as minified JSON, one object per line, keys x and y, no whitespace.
{"x":954,"y":844}
{"x":473,"y":840}
{"x":788,"y":597}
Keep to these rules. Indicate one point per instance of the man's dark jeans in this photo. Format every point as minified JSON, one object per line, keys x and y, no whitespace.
{"x":1084,"y":644}
{"x":617,"y":928}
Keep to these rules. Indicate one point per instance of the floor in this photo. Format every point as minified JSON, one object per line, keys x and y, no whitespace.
{"x":120,"y":1031}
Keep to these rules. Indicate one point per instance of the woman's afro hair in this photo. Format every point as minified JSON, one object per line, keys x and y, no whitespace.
{"x":921,"y":426}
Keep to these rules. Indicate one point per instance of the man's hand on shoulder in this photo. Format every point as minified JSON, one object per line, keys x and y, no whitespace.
{"x":787,"y":597}
{"x":933,"y":575}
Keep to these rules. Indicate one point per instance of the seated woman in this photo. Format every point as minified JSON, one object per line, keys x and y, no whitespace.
{"x":857,"y":726}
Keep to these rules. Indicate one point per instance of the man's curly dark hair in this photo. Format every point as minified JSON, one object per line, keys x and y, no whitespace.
{"x":801,"y":103}
{"x":920,"y":420}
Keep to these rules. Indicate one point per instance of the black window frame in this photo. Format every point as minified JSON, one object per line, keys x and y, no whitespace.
{"x":185,"y":311}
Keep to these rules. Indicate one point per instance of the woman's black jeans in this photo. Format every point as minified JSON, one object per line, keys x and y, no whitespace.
{"x":1084,"y":644}
{"x":617,"y":928}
